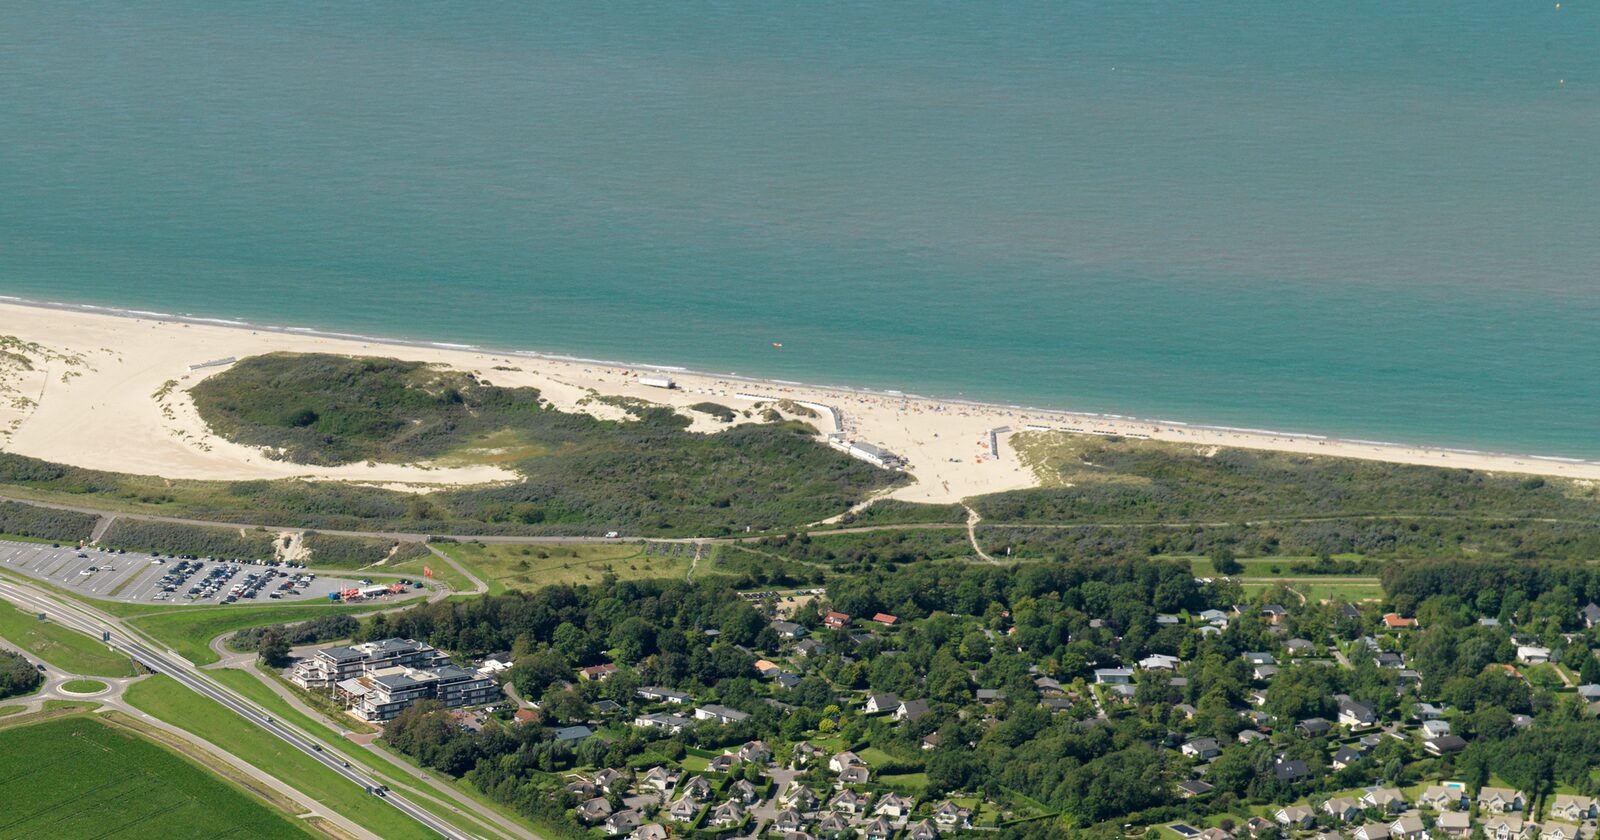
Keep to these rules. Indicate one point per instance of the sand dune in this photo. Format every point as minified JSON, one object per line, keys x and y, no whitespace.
{"x":98,"y":396}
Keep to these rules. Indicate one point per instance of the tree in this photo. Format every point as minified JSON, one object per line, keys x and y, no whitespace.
{"x":274,"y":648}
{"x":1224,"y":562}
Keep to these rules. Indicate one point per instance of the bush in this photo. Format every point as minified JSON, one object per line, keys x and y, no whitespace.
{"x":45,"y":523}
{"x":176,"y":538}
{"x":321,"y":629}
{"x":17,"y":674}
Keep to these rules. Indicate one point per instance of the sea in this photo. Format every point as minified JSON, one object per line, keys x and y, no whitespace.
{"x":1367,"y":219}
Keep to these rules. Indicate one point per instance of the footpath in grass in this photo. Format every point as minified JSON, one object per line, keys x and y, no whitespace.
{"x":79,"y":777}
{"x":165,"y":699}
{"x":66,"y":649}
{"x":189,"y":632}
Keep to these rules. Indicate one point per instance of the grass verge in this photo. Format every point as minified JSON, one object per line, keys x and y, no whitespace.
{"x":68,"y":650}
{"x":163,"y":698}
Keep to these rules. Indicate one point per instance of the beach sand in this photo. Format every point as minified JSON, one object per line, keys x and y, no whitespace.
{"x":98,"y":397}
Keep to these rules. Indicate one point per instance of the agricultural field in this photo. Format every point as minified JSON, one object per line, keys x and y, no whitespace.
{"x":166,"y":700}
{"x":79,"y":777}
{"x":58,"y":646}
{"x":529,"y":567}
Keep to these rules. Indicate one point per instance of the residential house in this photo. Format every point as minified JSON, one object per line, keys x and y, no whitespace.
{"x":684,"y":810}
{"x":810,"y":647}
{"x":1571,"y":808}
{"x":1590,"y":614}
{"x":886,"y":619}
{"x":1506,"y":827}
{"x":726,"y":815}
{"x":834,"y":822}
{"x":1313,"y":727}
{"x":1260,"y":658}
{"x":1444,"y":798}
{"x":755,"y":752}
{"x":1558,"y":831}
{"x":597,"y":672}
{"x":789,"y":820}
{"x":1296,"y":816}
{"x":656,"y":694}
{"x":1456,"y":824}
{"x":1408,"y":827}
{"x":1499,"y":800}
{"x":835,"y":620}
{"x":1388,"y":800}
{"x":1343,"y":808}
{"x":952,"y":816}
{"x":844,"y":760}
{"x":1435,"y":728}
{"x":1113,"y":676}
{"x":1191,"y":788}
{"x":1371,"y":831}
{"x":788,"y":629}
{"x":849,"y":802}
{"x":622,"y":822}
{"x":594,"y":810}
{"x":1159,"y":662}
{"x":697,"y":788}
{"x":1346,"y":756}
{"x":661,"y":778}
{"x":744,"y":792}
{"x":1354,"y":714}
{"x":1394,"y":621}
{"x":649,"y":831}
{"x":720,"y":714}
{"x":1444,"y":745}
{"x":911,"y":710}
{"x":990,"y":695}
{"x":1203,"y":748}
{"x":922,"y":830}
{"x":880,"y":828}
{"x":1289,"y":770}
{"x":854,"y":776}
{"x":878,"y":704}
{"x":799,"y":796}
{"x":894,"y":806}
{"x":1532,"y":654}
{"x":670,"y":723}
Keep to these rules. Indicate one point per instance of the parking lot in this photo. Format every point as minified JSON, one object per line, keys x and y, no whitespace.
{"x":165,"y":579}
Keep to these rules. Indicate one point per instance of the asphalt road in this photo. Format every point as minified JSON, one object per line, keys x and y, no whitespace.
{"x":81,"y":619}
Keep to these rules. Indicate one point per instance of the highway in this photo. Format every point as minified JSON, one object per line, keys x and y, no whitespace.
{"x":84,"y":620}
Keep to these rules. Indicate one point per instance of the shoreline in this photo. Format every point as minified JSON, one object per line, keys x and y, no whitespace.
{"x":884,"y":417}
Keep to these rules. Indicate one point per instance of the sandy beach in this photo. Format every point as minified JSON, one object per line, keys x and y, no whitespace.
{"x":109,"y":391}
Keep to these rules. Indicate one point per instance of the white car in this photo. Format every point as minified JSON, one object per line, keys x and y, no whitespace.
{"x":611,"y":535}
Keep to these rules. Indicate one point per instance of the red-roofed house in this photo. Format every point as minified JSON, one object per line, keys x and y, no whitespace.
{"x":764,"y":666}
{"x":527,"y":716}
{"x":886,"y":619}
{"x":835,"y":619}
{"x":598,"y":672}
{"x":1396,"y":621}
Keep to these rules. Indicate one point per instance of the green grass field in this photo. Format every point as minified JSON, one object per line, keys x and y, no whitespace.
{"x":83,"y":686}
{"x":442,"y":572}
{"x":189,"y":631}
{"x":67,"y":650}
{"x":165,"y":699}
{"x":79,"y":777}
{"x":11,"y":710}
{"x":505,"y":567}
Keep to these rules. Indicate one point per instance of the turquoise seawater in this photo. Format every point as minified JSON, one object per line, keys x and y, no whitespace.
{"x":1368,"y":219}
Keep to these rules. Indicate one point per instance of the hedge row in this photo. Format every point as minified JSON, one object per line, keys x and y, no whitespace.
{"x":174,"y":538}
{"x":45,"y":523}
